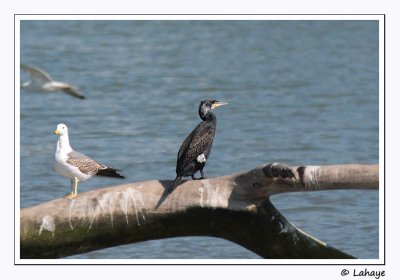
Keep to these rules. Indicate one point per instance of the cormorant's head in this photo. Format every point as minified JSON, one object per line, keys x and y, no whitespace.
{"x":207,"y":105}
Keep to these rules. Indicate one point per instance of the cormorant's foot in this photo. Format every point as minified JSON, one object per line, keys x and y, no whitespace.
{"x":278,"y":170}
{"x":201,"y":178}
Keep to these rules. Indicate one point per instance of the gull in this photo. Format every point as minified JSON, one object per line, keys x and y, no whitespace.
{"x":76,"y":166}
{"x":42,"y":82}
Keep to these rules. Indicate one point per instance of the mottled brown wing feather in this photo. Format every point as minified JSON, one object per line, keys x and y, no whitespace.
{"x":85,"y":164}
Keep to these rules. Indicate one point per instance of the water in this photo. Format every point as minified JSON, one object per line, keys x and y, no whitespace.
{"x":299,"y":92}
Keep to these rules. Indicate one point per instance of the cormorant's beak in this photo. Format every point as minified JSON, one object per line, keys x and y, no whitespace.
{"x":217,"y":104}
{"x":57,"y":132}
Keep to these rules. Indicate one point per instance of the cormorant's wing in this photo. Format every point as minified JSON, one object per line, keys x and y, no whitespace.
{"x":73,"y":92}
{"x":195,"y":144}
{"x":186,"y":143}
{"x":36,"y":73}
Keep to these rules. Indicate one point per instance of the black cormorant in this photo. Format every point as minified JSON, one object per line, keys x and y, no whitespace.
{"x":196,"y":148}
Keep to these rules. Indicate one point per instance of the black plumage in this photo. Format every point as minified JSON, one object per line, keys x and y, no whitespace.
{"x":109,"y":172}
{"x":196,"y":148}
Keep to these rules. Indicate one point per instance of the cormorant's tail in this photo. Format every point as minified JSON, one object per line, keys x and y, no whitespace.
{"x":174,"y":184}
{"x":168,"y":191}
{"x":109,"y":172}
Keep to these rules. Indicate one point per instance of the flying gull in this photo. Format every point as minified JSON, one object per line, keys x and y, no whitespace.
{"x":76,"y":166}
{"x":42,"y":82}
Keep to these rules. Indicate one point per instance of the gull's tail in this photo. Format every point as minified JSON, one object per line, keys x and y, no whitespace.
{"x":109,"y":172}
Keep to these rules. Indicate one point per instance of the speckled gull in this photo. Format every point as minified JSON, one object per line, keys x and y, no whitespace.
{"x":76,"y":166}
{"x":42,"y":82}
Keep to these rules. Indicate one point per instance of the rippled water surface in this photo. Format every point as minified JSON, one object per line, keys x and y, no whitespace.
{"x":299,"y":92}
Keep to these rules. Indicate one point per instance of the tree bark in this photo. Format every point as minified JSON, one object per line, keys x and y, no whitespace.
{"x":234,"y":207}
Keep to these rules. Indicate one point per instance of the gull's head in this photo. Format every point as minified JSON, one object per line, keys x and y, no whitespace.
{"x":61,"y":130}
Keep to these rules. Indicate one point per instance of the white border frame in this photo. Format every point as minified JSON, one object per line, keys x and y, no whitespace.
{"x":380,"y":18}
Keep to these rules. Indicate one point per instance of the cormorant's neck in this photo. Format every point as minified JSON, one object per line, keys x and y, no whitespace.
{"x":208,"y":116}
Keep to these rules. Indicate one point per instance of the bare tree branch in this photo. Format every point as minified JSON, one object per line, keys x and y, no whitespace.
{"x":234,"y":207}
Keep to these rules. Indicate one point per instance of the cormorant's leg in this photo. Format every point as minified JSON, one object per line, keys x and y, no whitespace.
{"x":194,"y":178}
{"x":202,"y":174}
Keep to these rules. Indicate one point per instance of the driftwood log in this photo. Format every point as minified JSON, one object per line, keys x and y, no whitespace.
{"x":234,"y":207}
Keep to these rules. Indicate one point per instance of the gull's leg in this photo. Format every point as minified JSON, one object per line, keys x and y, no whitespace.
{"x":72,"y":185}
{"x":76,"y":185}
{"x":72,"y":189}
{"x":75,"y":193}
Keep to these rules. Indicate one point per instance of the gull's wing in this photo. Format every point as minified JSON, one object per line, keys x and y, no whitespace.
{"x":36,"y":73}
{"x":73,"y":92}
{"x":84,"y":163}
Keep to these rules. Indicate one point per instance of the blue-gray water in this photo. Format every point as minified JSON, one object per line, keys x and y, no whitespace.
{"x":299,"y":92}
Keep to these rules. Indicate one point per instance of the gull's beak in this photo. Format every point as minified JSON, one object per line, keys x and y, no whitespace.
{"x":217,"y":104}
{"x":57,"y":132}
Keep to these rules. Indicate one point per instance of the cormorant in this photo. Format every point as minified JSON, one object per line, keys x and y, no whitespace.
{"x":196,"y":148}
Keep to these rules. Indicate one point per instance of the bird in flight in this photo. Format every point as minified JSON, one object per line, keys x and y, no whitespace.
{"x":42,"y":82}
